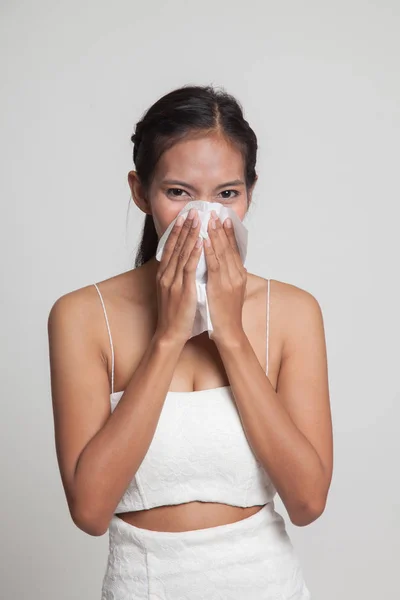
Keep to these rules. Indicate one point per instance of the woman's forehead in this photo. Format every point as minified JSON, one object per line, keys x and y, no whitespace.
{"x":194,"y":159}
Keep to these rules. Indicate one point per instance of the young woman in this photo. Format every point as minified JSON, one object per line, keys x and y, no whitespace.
{"x":177,"y":445}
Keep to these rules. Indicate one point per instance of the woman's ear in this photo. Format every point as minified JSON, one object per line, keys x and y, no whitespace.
{"x":251,"y":190}
{"x":138,"y":193}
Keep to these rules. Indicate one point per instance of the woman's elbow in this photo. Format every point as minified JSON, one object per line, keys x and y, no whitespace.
{"x":307,"y":514}
{"x":89,"y":523}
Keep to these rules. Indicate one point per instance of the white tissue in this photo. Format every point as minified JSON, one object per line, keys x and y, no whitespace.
{"x":202,"y":321}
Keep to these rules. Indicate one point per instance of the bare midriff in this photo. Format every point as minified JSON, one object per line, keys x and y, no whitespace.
{"x":188,"y":516}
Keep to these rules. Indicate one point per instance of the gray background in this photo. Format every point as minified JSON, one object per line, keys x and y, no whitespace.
{"x":319,"y":82}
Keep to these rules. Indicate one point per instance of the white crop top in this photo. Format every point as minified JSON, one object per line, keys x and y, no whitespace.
{"x":199,"y":451}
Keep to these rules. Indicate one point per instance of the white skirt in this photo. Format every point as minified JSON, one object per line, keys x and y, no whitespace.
{"x":252,"y":558}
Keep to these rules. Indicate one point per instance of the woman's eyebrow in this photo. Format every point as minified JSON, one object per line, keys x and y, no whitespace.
{"x":183,"y":184}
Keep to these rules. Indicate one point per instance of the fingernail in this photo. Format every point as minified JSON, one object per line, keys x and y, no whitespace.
{"x":180,"y":220}
{"x":199,"y":242}
{"x":213,"y":224}
{"x":228,"y":222}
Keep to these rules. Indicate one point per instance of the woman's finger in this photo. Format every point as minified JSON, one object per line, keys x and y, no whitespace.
{"x":230,"y":234}
{"x":226,"y":250}
{"x":209,"y":253}
{"x":170,"y":243}
{"x":178,"y":251}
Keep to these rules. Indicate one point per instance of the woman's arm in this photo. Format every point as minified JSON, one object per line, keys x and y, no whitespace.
{"x":98,"y":453}
{"x":290,"y":430}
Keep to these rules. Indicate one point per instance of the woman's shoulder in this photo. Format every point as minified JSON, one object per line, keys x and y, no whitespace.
{"x":77,"y":305}
{"x":283,"y":290}
{"x":289,"y":303}
{"x":294,"y":298}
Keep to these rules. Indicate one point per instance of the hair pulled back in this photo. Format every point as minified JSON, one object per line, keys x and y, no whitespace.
{"x":187,"y":110}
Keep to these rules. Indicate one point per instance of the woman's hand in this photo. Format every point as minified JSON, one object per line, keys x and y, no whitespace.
{"x":227,"y":279}
{"x":176,"y":280}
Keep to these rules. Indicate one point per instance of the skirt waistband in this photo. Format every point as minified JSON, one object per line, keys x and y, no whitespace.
{"x":251,"y":558}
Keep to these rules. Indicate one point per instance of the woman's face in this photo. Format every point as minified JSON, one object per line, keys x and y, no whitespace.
{"x":204,"y":168}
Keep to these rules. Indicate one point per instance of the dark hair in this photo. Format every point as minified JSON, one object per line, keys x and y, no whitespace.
{"x":184,"y":111}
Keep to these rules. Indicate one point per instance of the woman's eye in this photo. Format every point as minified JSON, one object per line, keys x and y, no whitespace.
{"x":229,"y":191}
{"x":175,"y":190}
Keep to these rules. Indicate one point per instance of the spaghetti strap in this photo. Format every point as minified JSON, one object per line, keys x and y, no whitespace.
{"x":268,"y":303}
{"x":109,"y":334}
